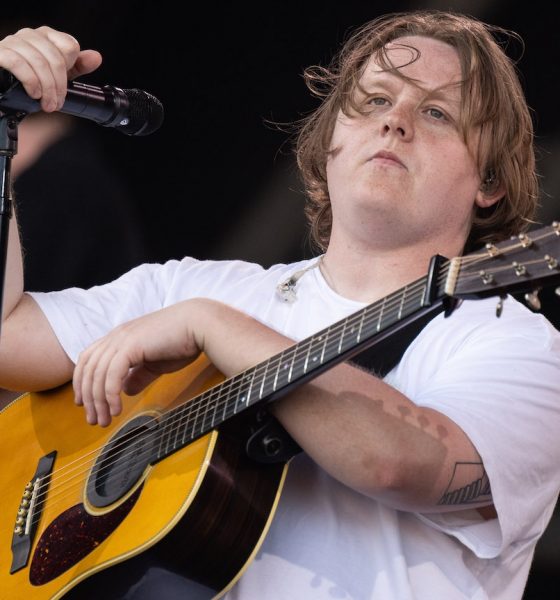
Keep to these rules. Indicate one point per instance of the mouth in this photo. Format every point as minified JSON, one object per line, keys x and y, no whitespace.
{"x":386,"y":157}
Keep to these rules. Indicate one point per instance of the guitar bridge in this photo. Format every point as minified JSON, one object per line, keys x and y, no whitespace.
{"x":29,"y":512}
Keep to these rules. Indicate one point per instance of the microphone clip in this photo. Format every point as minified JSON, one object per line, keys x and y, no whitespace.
{"x":287,"y":289}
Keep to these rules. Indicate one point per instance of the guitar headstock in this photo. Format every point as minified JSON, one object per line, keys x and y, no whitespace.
{"x":522,"y":263}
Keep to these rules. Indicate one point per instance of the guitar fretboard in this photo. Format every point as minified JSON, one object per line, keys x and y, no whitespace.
{"x":278,"y":374}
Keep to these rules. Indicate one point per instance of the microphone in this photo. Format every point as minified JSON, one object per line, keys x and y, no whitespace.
{"x":134,"y":112}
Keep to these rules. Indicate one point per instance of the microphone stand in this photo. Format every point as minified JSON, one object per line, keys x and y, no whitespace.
{"x":8,"y":148}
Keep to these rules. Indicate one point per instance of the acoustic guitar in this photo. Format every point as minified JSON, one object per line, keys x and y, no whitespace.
{"x":193,"y":469}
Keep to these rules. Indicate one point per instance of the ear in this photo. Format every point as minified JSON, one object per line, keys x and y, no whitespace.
{"x":488,"y":195}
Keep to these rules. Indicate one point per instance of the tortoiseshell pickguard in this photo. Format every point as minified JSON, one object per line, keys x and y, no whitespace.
{"x":72,"y":536}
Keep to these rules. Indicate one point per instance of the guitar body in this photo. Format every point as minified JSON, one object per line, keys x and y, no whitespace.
{"x":204,"y":508}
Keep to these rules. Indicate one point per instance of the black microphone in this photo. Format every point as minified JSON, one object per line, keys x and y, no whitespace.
{"x":134,"y":112}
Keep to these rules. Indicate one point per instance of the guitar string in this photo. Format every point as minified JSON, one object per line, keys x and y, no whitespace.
{"x":193,"y":404}
{"x":178,"y":424}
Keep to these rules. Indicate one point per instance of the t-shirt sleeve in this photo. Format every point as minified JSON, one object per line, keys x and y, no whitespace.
{"x":79,"y":316}
{"x":500,"y":384}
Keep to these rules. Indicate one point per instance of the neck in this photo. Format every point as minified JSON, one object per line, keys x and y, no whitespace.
{"x":367,"y":274}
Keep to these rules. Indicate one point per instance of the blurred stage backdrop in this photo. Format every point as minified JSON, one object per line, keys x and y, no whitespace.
{"x":218,"y":179}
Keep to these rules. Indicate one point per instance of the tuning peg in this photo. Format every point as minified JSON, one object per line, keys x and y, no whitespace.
{"x":525,"y":240}
{"x":533,"y":299}
{"x":557,"y":291}
{"x":520,"y":269}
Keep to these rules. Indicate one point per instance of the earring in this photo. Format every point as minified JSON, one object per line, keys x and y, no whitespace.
{"x":489,"y":181}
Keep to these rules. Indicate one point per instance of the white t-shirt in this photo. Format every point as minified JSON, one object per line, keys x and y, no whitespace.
{"x":497,"y":378}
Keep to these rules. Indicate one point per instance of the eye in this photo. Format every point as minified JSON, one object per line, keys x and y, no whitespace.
{"x":378,"y":101}
{"x":437,"y":114}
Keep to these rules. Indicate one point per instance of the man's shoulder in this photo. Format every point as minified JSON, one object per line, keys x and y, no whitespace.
{"x":488,"y":322}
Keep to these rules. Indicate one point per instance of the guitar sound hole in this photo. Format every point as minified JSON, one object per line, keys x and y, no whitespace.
{"x":122,"y":461}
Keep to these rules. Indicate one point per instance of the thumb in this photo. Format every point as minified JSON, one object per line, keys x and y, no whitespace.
{"x":140,"y":376}
{"x":87,"y":61}
{"x":137,"y":379}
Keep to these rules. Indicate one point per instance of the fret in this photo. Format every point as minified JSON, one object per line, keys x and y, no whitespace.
{"x":353,"y":330}
{"x":342,"y":337}
{"x":284,"y":368}
{"x":302,"y":352}
{"x":175,"y":431}
{"x":305,"y":362}
{"x":370,"y":323}
{"x":422,"y":295}
{"x":183,"y":420}
{"x":326,"y":336}
{"x":280,"y":362}
{"x":261,"y":389}
{"x":207,"y":408}
{"x":410,"y":302}
{"x":161,"y":435}
{"x":209,"y":412}
{"x":381,"y":312}
{"x":313,"y":356}
{"x":246,"y":388}
{"x":175,"y":424}
{"x":172,"y":431}
{"x":235,"y":391}
{"x":294,"y":353}
{"x":195,"y":407}
{"x":360,"y":326}
{"x":403,"y":296}
{"x":170,"y":427}
{"x":347,"y":339}
{"x":213,"y":396}
{"x":270,"y":376}
{"x":413,"y":303}
{"x":166,"y":430}
{"x":224,"y":397}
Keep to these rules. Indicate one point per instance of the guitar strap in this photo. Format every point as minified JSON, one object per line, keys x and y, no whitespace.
{"x":386,"y":353}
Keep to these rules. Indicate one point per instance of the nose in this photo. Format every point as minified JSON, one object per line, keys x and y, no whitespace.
{"x":399,"y":122}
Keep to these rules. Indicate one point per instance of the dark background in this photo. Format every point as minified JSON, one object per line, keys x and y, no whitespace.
{"x":218,"y":180}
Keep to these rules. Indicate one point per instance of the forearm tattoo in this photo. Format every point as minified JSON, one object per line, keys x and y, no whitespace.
{"x":475,"y":492}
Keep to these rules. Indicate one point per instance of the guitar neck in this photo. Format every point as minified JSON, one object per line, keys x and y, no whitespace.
{"x":276,"y":376}
{"x":522,"y":263}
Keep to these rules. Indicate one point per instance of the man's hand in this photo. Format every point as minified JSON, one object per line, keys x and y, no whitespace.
{"x":131,"y":357}
{"x":43,"y":60}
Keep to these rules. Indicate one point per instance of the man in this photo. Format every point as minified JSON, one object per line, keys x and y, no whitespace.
{"x":434,"y":482}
